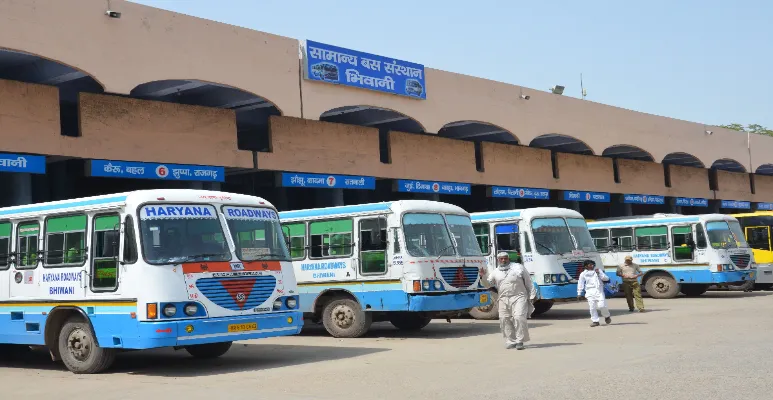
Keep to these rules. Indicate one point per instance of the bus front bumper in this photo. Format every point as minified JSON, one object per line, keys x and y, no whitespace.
{"x":448,"y":302}
{"x":557,"y":292}
{"x":764,"y":273}
{"x":733,"y":277}
{"x":215,"y":330}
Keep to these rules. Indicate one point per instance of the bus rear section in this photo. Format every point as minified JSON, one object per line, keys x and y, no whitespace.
{"x":404,"y":262}
{"x":757,"y":229}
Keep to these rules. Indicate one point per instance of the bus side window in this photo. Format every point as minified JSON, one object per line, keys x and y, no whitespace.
{"x":600,"y":239}
{"x":105,"y":244}
{"x":5,"y":245}
{"x":508,"y":240}
{"x":396,"y":238}
{"x":758,"y":237}
{"x":373,"y":246}
{"x":331,"y":238}
{"x":622,"y":239}
{"x":65,"y":240}
{"x":130,"y":242}
{"x":652,"y":238}
{"x":526,"y":243}
{"x":700,"y":237}
{"x":296,"y":234}
{"x":482,"y":234}
{"x":27,"y":244}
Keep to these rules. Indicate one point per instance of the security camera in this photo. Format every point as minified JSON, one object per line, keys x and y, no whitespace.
{"x":113,"y":14}
{"x":525,"y":96}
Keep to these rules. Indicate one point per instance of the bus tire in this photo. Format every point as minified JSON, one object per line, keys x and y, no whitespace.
{"x":209,"y":350}
{"x":694,"y":290}
{"x":542,"y":306}
{"x":80,"y":351}
{"x":344,"y":318}
{"x":489,"y":312}
{"x":409,"y":321}
{"x":763,"y":286}
{"x":661,"y":286}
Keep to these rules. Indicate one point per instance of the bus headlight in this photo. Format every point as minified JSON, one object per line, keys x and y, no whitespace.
{"x":562,"y":278}
{"x":438,"y":285}
{"x":425,"y":285}
{"x":277,"y":304}
{"x":170,"y":310}
{"x":546,"y":278}
{"x":555,"y":278}
{"x":191,"y":309}
{"x":291,"y":302}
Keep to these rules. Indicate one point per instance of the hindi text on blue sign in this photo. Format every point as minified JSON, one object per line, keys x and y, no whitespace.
{"x":765,"y":206}
{"x":520,"y":193}
{"x":413,"y":186}
{"x":22,"y":163}
{"x":290,"y":179}
{"x":735,"y":204}
{"x":691,"y":202}
{"x":337,"y":65}
{"x":643,"y":199}
{"x":140,"y":170}
{"x":596,"y":197}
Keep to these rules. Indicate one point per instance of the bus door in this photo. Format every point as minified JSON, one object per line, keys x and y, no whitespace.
{"x":506,"y":239}
{"x":682,"y":244}
{"x":25,"y":265}
{"x":701,"y":243}
{"x":758,"y":238}
{"x":373,"y":244}
{"x":106,"y":246}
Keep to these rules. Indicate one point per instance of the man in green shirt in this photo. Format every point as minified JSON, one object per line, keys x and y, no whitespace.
{"x":630,"y":273}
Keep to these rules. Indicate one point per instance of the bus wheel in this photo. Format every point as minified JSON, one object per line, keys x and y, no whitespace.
{"x":409,"y":321}
{"x":344,"y":318}
{"x":79,"y":349}
{"x":763,"y":286}
{"x":661,"y":286}
{"x":541,"y":307}
{"x":209,"y":350}
{"x":694,"y":290}
{"x":488,"y":312}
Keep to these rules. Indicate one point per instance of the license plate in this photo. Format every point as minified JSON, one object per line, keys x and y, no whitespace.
{"x":483,"y":298}
{"x":250,"y":326}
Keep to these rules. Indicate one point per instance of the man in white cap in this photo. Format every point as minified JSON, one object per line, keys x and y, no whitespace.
{"x":516,"y":293}
{"x":630,"y":274}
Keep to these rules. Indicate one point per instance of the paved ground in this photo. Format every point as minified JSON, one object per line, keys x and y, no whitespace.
{"x":714,"y":347}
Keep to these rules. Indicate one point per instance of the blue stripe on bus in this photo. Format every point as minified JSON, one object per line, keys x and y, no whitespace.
{"x":695,"y":275}
{"x":495,"y":214}
{"x":332,"y":211}
{"x":59,"y":206}
{"x":649,"y":221}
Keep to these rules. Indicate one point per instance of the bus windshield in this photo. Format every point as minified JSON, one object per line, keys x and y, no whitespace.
{"x":426,"y":235}
{"x":725,"y":235}
{"x":176,"y":233}
{"x":461,"y":227}
{"x":257,"y":234}
{"x":581,"y":234}
{"x":551,"y":236}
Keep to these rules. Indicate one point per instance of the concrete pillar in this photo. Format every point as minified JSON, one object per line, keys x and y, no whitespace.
{"x":573,"y":205}
{"x":499,"y":203}
{"x":426,"y":196}
{"x":216,"y":186}
{"x":196,"y":185}
{"x":281,"y":202}
{"x":329,"y":197}
{"x":21,"y":192}
{"x":618,"y":208}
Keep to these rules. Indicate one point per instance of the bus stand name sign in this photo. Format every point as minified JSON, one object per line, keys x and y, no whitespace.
{"x":22,"y":163}
{"x":691,"y":202}
{"x":735,"y":204}
{"x":765,"y":206}
{"x":520,"y":193}
{"x":321,"y":181}
{"x":596,"y":197}
{"x":643,"y":199}
{"x":139,"y":170}
{"x":412,"y":186}
{"x":337,"y":65}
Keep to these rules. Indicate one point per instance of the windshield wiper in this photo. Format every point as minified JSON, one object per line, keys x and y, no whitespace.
{"x":202,"y":255}
{"x":444,"y":250}
{"x":545,"y":247}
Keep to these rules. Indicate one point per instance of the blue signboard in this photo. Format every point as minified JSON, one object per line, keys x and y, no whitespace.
{"x":736,"y":204}
{"x":22,"y":163}
{"x":337,"y":65}
{"x":291,"y":179}
{"x":508,"y":228}
{"x":643,"y":199}
{"x":172,"y":172}
{"x":691,"y":202}
{"x":520,"y":193}
{"x":411,"y":186}
{"x":765,"y":206}
{"x":596,"y":197}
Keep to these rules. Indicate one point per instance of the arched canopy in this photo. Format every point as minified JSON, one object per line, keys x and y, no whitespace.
{"x":684,"y":159}
{"x":627,"y":152}
{"x":374,"y":117}
{"x":27,"y":67}
{"x":765,"y":169}
{"x":727,"y":164}
{"x":561,"y":143}
{"x":479,"y":131}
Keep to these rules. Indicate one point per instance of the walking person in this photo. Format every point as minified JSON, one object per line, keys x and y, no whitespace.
{"x":592,"y":281}
{"x":630,"y":273}
{"x":516,"y":294}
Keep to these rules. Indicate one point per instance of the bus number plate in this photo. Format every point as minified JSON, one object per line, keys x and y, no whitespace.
{"x":483,"y":298}
{"x":251,"y":326}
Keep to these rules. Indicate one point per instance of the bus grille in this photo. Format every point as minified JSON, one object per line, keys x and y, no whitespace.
{"x":573,"y":268}
{"x":237,"y":293}
{"x":740,"y":260}
{"x":459,"y":277}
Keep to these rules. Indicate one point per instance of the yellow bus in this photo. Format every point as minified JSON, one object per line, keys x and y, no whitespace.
{"x":757,"y":226}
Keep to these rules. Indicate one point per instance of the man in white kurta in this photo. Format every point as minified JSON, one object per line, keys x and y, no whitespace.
{"x":515,"y":296}
{"x":592,"y":281}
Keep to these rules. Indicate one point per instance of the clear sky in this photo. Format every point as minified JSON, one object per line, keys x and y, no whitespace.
{"x":708,"y":61}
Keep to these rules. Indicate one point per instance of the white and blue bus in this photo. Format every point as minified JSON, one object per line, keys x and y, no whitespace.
{"x":552,"y":243}
{"x":677,"y":253}
{"x":402,"y":261}
{"x":191,"y":269}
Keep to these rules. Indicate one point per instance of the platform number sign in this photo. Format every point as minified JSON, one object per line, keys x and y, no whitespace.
{"x":331,"y":181}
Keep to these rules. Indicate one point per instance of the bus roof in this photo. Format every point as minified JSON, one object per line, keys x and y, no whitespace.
{"x":656,"y":219}
{"x":753,"y":214}
{"x":526,"y":213}
{"x":121,"y":199}
{"x":398,"y":206}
